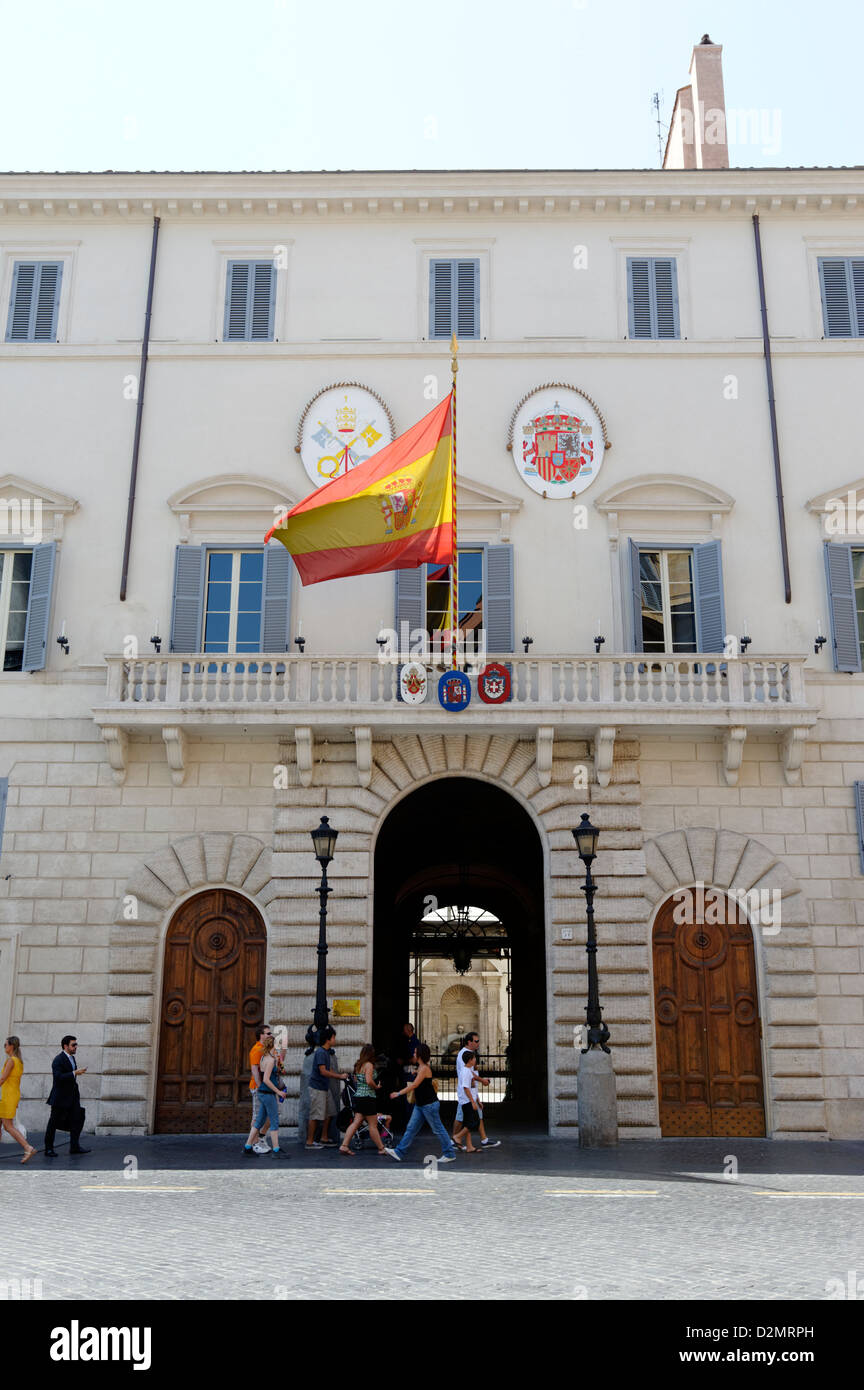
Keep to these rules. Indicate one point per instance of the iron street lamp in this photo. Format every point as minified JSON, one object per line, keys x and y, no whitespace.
{"x":586,"y":836}
{"x":324,"y":841}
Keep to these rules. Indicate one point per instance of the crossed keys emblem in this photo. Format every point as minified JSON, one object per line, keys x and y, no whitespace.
{"x":345,"y":458}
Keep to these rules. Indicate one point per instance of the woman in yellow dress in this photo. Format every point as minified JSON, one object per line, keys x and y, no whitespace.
{"x":10,"y":1094}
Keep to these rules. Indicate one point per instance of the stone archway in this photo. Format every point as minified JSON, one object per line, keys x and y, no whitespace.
{"x":741,"y":864}
{"x":160,"y":884}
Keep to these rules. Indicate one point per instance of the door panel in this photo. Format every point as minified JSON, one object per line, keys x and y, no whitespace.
{"x":212,"y":998}
{"x":709,"y":1059}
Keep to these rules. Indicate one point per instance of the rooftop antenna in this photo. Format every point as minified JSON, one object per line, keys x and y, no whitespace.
{"x":655,"y":102}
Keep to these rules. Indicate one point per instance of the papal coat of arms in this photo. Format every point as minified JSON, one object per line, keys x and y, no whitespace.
{"x":412,"y":683}
{"x":399,"y":503}
{"x":493,"y":684}
{"x":554,"y":435}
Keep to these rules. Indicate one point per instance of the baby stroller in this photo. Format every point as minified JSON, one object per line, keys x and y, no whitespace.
{"x":362,"y":1139}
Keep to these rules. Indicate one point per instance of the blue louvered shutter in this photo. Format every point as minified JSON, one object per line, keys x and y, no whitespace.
{"x":708,"y":597}
{"x":276,"y":619}
{"x":635,"y":592}
{"x":836,"y":284}
{"x":263,"y":302}
{"x":250,"y":299}
{"x":4,"y":797}
{"x":498,"y":599}
{"x":467,"y":306}
{"x":39,"y":607}
{"x":35,"y":302}
{"x":440,"y":299}
{"x":410,"y":600}
{"x":842,"y":607}
{"x":190,"y":564}
{"x":859,"y":820}
{"x":665,"y":274}
{"x":639,"y":301}
{"x":856,"y":267}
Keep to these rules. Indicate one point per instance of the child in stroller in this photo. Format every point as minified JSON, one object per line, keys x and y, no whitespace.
{"x":348,"y":1114}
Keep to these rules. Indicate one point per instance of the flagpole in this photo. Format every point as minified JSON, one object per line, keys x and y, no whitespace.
{"x":454,"y":568}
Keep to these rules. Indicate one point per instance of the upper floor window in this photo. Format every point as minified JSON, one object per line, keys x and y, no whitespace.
{"x":233,"y":601}
{"x":15,"y":567}
{"x":34,"y":302}
{"x":841,"y":280}
{"x":844,"y":566}
{"x":454,"y":298}
{"x":668,"y":601}
{"x":470,"y":593}
{"x":677,"y":598}
{"x":250,"y":298}
{"x":652,"y":297}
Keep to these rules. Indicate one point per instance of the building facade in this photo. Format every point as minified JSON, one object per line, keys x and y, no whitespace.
{"x":616,"y":479}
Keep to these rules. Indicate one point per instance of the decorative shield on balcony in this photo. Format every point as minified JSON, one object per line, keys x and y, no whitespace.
{"x":412,"y":683}
{"x":454,"y":691}
{"x":493,"y":684}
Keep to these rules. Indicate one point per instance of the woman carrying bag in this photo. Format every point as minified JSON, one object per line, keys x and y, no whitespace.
{"x":10,"y":1094}
{"x":269,"y":1095}
{"x":365,"y":1100}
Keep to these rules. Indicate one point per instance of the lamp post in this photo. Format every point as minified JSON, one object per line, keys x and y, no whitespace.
{"x":324,"y":841}
{"x":596,"y":1099}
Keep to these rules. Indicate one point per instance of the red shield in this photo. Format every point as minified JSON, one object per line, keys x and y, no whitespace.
{"x":493,"y":684}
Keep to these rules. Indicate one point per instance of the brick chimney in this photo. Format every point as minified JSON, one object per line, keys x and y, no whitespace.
{"x":697,"y":131}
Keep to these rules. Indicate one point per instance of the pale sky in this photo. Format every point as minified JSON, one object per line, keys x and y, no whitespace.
{"x":399,"y":84}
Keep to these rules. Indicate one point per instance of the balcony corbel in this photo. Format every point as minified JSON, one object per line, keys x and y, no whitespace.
{"x":794,"y":743}
{"x":363,"y":743}
{"x":175,"y":749}
{"x":733,"y":752}
{"x":604,"y":752}
{"x":543,"y":755}
{"x":305,"y":755}
{"x":117,"y":743}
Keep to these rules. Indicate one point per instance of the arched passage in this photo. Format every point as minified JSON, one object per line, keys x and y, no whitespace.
{"x":452,"y":843}
{"x":212,"y":998}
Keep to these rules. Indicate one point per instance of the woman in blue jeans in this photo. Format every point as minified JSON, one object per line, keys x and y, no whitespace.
{"x":268,"y":1095}
{"x":426,"y":1110}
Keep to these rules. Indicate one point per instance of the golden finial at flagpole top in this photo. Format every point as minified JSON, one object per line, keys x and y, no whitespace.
{"x":454,"y":348}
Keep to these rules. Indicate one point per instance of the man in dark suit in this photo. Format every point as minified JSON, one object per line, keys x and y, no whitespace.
{"x":65,"y":1099}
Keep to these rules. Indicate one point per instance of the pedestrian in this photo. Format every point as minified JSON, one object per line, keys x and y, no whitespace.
{"x":321,"y":1104}
{"x":471,"y":1043}
{"x":10,"y":1094}
{"x":365,"y":1100}
{"x":65,"y":1098}
{"x":468,"y":1105}
{"x":426,"y":1110}
{"x":269,"y":1095}
{"x":262,"y":1124}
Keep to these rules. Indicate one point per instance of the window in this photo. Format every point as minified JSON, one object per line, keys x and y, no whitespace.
{"x":652,"y":297}
{"x":250,"y":296}
{"x":668,"y":601}
{"x":15,"y":567}
{"x":844,"y":568}
{"x":233,"y":601}
{"x":454,"y":298}
{"x":485,"y":596}
{"x":470,"y":598}
{"x":859,"y":820}
{"x":677,"y":598}
{"x":841,"y":280}
{"x":34,"y":302}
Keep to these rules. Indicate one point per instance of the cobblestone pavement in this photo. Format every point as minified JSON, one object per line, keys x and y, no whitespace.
{"x":537,"y":1219}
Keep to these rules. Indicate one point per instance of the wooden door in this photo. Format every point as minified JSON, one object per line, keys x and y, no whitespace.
{"x":212,"y":999}
{"x":709,"y":1056}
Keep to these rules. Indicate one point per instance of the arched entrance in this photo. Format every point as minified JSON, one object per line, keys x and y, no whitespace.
{"x":459,"y":878}
{"x":709,"y":1056}
{"x":212,"y":998}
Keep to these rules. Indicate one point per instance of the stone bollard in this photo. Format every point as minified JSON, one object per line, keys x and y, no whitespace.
{"x":596,"y":1101}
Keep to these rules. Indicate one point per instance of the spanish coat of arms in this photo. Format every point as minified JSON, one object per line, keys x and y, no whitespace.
{"x":558,"y":440}
{"x":399,"y":503}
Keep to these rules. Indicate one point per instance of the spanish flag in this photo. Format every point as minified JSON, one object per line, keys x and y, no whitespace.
{"x":395,"y":511}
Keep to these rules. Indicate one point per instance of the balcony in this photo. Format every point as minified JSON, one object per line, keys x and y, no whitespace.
{"x":594,"y":697}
